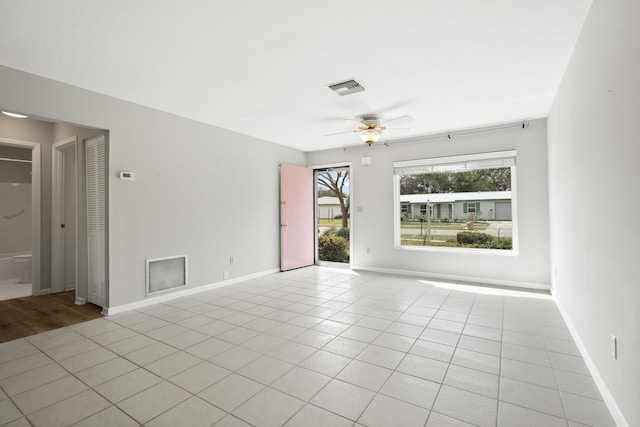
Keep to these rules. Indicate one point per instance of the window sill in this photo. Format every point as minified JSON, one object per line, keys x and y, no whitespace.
{"x":465,"y":251}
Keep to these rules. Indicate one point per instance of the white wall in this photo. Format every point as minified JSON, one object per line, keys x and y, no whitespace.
{"x":593,"y":159}
{"x":187,"y":175}
{"x":372,"y":190}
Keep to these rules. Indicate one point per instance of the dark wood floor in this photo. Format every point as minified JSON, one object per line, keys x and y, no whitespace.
{"x":21,"y":317}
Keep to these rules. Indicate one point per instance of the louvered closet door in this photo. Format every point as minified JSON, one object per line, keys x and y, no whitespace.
{"x":95,"y":161}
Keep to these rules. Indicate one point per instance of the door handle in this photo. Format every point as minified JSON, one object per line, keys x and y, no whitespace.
{"x":283,"y":225}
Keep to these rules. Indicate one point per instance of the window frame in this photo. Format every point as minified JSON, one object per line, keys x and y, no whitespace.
{"x":435,"y":161}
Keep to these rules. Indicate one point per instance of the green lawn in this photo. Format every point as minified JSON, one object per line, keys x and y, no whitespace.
{"x":324,"y":222}
{"x":439,"y":240}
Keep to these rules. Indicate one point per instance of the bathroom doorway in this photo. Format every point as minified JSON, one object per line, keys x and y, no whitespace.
{"x":19,"y":218}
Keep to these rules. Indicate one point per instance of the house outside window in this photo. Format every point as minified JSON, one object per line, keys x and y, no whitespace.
{"x":473,"y":196}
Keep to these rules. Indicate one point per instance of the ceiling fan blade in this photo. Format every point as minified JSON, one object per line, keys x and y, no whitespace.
{"x":394,"y":128}
{"x":398,"y":120}
{"x":339,"y":119}
{"x":401,"y":105}
{"x":340,"y":133}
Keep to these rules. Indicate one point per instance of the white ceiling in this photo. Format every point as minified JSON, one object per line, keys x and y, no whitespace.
{"x":261,"y":67}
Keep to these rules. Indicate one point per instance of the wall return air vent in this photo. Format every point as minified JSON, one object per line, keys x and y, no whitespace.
{"x":347,"y":87}
{"x":165,"y":274}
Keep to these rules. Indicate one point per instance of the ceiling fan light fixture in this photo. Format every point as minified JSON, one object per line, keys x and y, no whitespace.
{"x":370,"y":136}
{"x":14,"y":115}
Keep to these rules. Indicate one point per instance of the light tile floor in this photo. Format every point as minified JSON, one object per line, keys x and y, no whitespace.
{"x":310,"y":347}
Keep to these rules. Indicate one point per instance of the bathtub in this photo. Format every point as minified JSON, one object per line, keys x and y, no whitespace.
{"x":10,"y":271}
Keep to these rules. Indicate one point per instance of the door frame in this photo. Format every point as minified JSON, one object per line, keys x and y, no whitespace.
{"x":35,"y":209}
{"x":316,"y":168}
{"x":58,"y":188}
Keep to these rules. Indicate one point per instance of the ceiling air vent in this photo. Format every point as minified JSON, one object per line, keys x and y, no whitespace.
{"x":347,"y":87}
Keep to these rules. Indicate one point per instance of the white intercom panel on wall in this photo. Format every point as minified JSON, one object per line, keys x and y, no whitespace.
{"x":127,"y":176}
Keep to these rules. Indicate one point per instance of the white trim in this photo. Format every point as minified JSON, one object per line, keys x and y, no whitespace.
{"x":468,"y":251}
{"x":331,"y":165}
{"x":108,"y":311}
{"x":36,"y":189}
{"x":464,"y":279}
{"x":617,"y":415}
{"x":46,"y":291}
{"x":80,"y":300}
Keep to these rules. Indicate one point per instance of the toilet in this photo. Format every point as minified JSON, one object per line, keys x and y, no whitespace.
{"x":25,"y":273}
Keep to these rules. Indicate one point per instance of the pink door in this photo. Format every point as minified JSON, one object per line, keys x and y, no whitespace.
{"x":296,"y":217}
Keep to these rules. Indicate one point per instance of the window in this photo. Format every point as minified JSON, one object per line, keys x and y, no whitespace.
{"x":405,"y":208}
{"x":469,"y":208}
{"x":474,"y":199}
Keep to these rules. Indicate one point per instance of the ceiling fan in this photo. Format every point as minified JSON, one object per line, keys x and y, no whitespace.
{"x":371,"y":128}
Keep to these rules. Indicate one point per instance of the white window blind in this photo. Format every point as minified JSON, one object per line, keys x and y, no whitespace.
{"x":499,"y":159}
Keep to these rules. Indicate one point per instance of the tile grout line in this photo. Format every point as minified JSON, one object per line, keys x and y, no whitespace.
{"x":501,"y":358}
{"x":399,"y":363}
{"x":435,"y":399}
{"x":373,"y":301}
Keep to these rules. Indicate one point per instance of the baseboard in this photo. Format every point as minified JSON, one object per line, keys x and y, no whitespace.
{"x":602,"y":386}
{"x":107,"y":311}
{"x":460,"y":279}
{"x":80,"y":301}
{"x":46,"y":291}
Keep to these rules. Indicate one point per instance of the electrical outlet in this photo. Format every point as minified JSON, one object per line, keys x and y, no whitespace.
{"x":614,"y":346}
{"x":230,"y":260}
{"x":225,"y":275}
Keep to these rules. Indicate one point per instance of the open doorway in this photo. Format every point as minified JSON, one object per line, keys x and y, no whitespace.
{"x":52,"y":161}
{"x":19,"y":223}
{"x":333,"y":219}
